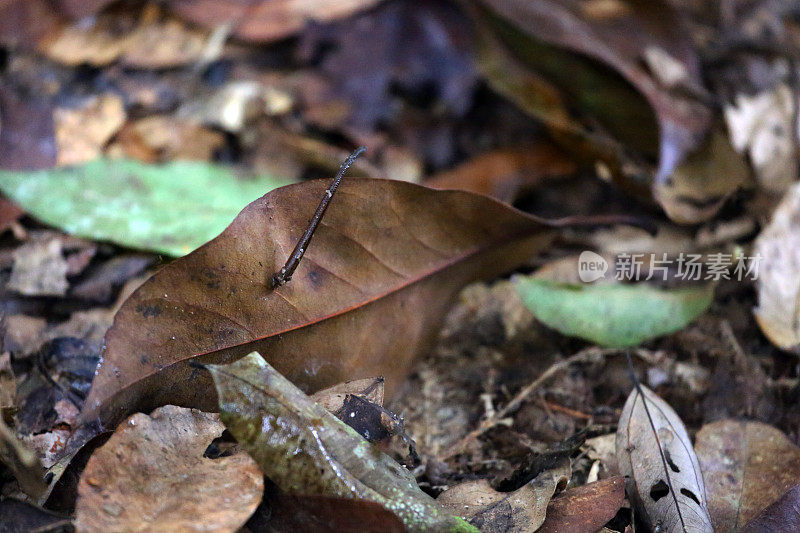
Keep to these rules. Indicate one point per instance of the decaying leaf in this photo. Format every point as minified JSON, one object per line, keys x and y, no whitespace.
{"x":304,"y":449}
{"x":266,"y":20}
{"x":22,"y":462}
{"x":615,"y":315}
{"x":333,"y":398}
{"x":783,"y":516}
{"x":166,"y":138}
{"x":153,"y":41}
{"x":504,"y":174}
{"x":171,"y":208}
{"x":384,"y":265}
{"x":778,"y":250}
{"x":151,"y":473}
{"x":761,"y":126}
{"x":546,"y":54}
{"x":39,"y":269}
{"x":747,"y":466}
{"x":493,"y":512}
{"x":662,"y":471}
{"x":585,"y":509}
{"x":82,"y":132}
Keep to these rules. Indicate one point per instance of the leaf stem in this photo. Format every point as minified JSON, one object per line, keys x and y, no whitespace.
{"x":285,"y":273}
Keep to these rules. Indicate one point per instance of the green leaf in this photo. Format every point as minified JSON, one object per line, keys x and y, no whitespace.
{"x":304,"y":449}
{"x":617,"y":315}
{"x":171,"y":208}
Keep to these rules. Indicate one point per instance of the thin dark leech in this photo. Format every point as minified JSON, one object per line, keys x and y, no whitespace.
{"x":638,"y":387}
{"x":285,"y":273}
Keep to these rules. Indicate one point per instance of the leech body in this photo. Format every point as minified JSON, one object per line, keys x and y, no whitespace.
{"x":285,"y":273}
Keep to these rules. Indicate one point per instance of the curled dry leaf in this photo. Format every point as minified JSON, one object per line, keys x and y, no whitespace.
{"x":747,"y":466}
{"x":761,"y":126}
{"x":585,"y":509}
{"x":152,"y":474}
{"x":384,"y":265}
{"x":266,"y":20}
{"x":778,"y":285}
{"x":22,"y":462}
{"x":494,"y":512}
{"x":333,"y":398}
{"x":663,"y":474}
{"x":304,"y":449}
{"x":547,"y":53}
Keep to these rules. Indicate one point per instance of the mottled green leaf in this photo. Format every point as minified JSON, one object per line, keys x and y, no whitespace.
{"x":304,"y":449}
{"x":171,"y":208}
{"x":615,"y":315}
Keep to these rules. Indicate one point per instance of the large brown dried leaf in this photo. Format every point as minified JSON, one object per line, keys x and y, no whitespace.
{"x":366,"y":299}
{"x":266,"y":20}
{"x":151,"y":474}
{"x":585,"y":509}
{"x":747,"y":466}
{"x":642,"y":451}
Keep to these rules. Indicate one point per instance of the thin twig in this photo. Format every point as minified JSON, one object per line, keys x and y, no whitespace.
{"x":584,"y":356}
{"x":285,"y":273}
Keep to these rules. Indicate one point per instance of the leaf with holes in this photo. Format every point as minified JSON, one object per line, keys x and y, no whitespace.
{"x":663,"y":475}
{"x":368,"y":296}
